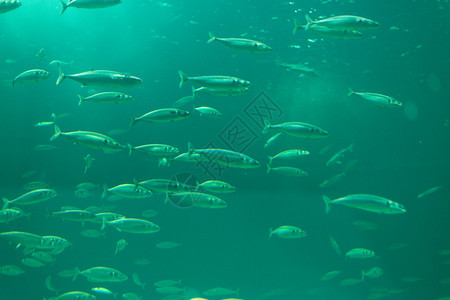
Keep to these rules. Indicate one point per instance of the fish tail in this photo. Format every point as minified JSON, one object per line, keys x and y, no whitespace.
{"x":61,"y":75}
{"x":133,"y":121}
{"x":13,"y":81}
{"x":193,"y":95}
{"x":297,"y":26}
{"x":104,"y":223}
{"x":77,"y":272}
{"x":309,"y":24}
{"x":350,"y":91}
{"x":327,"y":201}
{"x":270,"y":160}
{"x":167,"y":198}
{"x":190,"y":148}
{"x":268,"y":168}
{"x":81,"y":99}
{"x":183,"y":78}
{"x":130,"y":149}
{"x":6,"y":203}
{"x":363,"y":275}
{"x":270,"y":232}
{"x":105,"y":191}
{"x":64,"y":6}
{"x":267,"y":125}
{"x":212,"y":38}
{"x":57,"y":133}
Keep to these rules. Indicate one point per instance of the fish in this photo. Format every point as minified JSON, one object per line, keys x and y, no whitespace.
{"x":73,"y":215}
{"x":167,"y":282}
{"x":101,"y":274}
{"x":289,"y":154}
{"x":92,"y":233}
{"x":208,"y":112}
{"x":366,"y":202}
{"x":170,"y":290}
{"x":287,"y":232}
{"x":44,"y":147}
{"x":330,"y":275}
{"x":43,"y":256}
{"x":8,"y":5}
{"x":162,"y":115}
{"x":23,"y":239}
{"x":101,"y":78}
{"x":41,"y":54}
{"x":186,"y":157}
{"x":131,"y":296}
{"x":35,"y":185}
{"x":32,"y":262}
{"x":429,"y":192}
{"x":155,"y":149}
{"x":220,"y":291}
{"x":49,"y":285}
{"x":335,"y":245}
{"x":187,"y":101}
{"x":131,"y":191}
{"x":43,"y":124}
{"x":296,"y":129}
{"x":377,"y":99}
{"x":11,"y":270}
{"x":88,"y":160}
{"x":138,"y":281}
{"x":374,"y":273}
{"x":67,"y":273}
{"x":149,"y":213}
{"x":288,"y":171}
{"x":167,"y":245}
{"x":215,"y":82}
{"x":55,"y":244}
{"x":216,"y":186}
{"x":365,"y":225}
{"x":87,"y":186}
{"x":83,"y":193}
{"x":332,"y":180}
{"x":90,"y":139}
{"x":106,"y":97}
{"x":336,"y":158}
{"x":103,"y":291}
{"x":343,"y":22}
{"x":225,"y":157}
{"x":359,"y":253}
{"x":272,"y":140}
{"x":241,"y":44}
{"x":60,"y":62}
{"x":298,"y":68}
{"x":88,"y":4}
{"x":326,"y":32}
{"x":196,"y":199}
{"x":120,"y":245}
{"x":163,"y":186}
{"x":34,"y":75}
{"x":239,"y":91}
{"x":10,"y":214}
{"x":31,"y":197}
{"x":132,"y":225}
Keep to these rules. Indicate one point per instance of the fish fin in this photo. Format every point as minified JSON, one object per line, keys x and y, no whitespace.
{"x":77,"y":272}
{"x":81,"y":99}
{"x":212,"y":38}
{"x":6,"y":203}
{"x":105,"y":191}
{"x":270,"y":232}
{"x":270,"y":160}
{"x":267,"y":125}
{"x":350,"y":92}
{"x":190,"y":148}
{"x":130,"y":149}
{"x":64,"y":6}
{"x":310,"y":23}
{"x":327,"y":201}
{"x":12,"y":82}
{"x":183,"y":78}
{"x":57,"y":133}
{"x":61,"y":75}
{"x":297,"y":26}
{"x":363,"y":275}
{"x":104,"y":223}
{"x":167,"y":198}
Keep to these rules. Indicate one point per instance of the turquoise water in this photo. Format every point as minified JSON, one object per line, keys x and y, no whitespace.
{"x":398,"y":153}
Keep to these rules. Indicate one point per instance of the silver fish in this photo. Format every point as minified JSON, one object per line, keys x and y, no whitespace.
{"x":377,"y":99}
{"x":101,"y":274}
{"x":35,"y":75}
{"x":215,"y":82}
{"x":88,"y":4}
{"x":32,"y":197}
{"x":296,"y":129}
{"x":8,"y":5}
{"x":343,"y":22}
{"x":326,"y":32}
{"x":241,"y":44}
{"x":132,"y":225}
{"x":163,"y":115}
{"x":106,"y":97}
{"x":366,"y":202}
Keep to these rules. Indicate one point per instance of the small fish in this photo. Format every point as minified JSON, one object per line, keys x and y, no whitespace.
{"x":120,"y":245}
{"x":87,"y":186}
{"x":216,"y":186}
{"x":141,"y":261}
{"x":149,"y":213}
{"x":41,"y":54}
{"x":44,"y":147}
{"x":131,"y":191}
{"x":326,"y":32}
{"x":336,"y":158}
{"x":167,"y":282}
{"x":88,"y":160}
{"x":8,"y":5}
{"x":92,"y":233}
{"x":215,"y":82}
{"x":301,"y":69}
{"x":241,"y":44}
{"x":44,"y":124}
{"x":170,"y":290}
{"x":239,"y":91}
{"x":429,"y":192}
{"x":296,"y":129}
{"x":332,"y":180}
{"x":365,"y":225}
{"x":43,"y":256}
{"x":272,"y":140}
{"x":366,"y":202}
{"x":330,"y":275}
{"x":11,"y":270}
{"x":75,"y":295}
{"x":131,"y":296}
{"x":162,"y":115}
{"x":138,"y":281}
{"x":101,"y":274}
{"x":360,"y":253}
{"x":287,"y":232}
{"x":167,"y":245}
{"x":374,"y":273}
{"x":32,"y":262}
{"x":289,"y":171}
{"x":335,"y":245}
{"x":103,"y":291}
{"x":350,"y":282}
{"x":155,"y":149}
{"x":31,"y":197}
{"x":106,"y":97}
{"x":132,"y":225}
{"x":88,"y":4}
{"x":67,"y":273}
{"x":74,"y":215}
{"x":59,"y":62}
{"x":378,"y":99}
{"x":220,"y":291}
{"x":49,"y":285}
{"x":208,"y":112}
{"x":35,"y":75}
{"x":343,"y":22}
{"x":289,"y":154}
{"x":83,"y":193}
{"x":196,"y":199}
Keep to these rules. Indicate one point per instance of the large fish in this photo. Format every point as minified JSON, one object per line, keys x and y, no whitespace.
{"x":35,"y":75}
{"x":101,"y":78}
{"x":7,"y":5}
{"x":88,"y":4}
{"x":366,"y":202}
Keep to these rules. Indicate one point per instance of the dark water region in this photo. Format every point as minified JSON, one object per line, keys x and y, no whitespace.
{"x":398,"y":153}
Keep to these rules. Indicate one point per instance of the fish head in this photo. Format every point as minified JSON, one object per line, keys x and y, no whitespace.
{"x":367,"y":23}
{"x":217,"y":203}
{"x":50,"y":194}
{"x":355,"y":34}
{"x":394,"y":102}
{"x":241,"y":82}
{"x":263,"y":47}
{"x":183,"y":113}
{"x":298,"y":233}
{"x":396,"y":208}
{"x":250,"y":162}
{"x":319,"y":132}
{"x":115,"y":275}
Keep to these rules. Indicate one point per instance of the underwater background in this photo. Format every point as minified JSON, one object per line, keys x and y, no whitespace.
{"x":397,"y":153}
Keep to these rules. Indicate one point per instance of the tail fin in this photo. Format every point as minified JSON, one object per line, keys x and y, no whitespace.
{"x":267,"y":125}
{"x":105,"y":191}
{"x":212,"y":38}
{"x":350,"y":92}
{"x":297,"y":26}
{"x":268,"y":168}
{"x":57,"y":133}
{"x":309,"y":24}
{"x":61,"y":76}
{"x":190,"y":148}
{"x":81,"y":100}
{"x":363,"y":274}
{"x":77,"y":272}
{"x":130,"y":147}
{"x":64,"y":6}
{"x":270,"y":160}
{"x":133,"y":121}
{"x":183,"y":78}
{"x":6,"y":203}
{"x":327,"y":204}
{"x":270,"y":232}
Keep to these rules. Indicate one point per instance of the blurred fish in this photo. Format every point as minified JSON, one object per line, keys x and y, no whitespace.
{"x":138,"y":281}
{"x":350,"y":282}
{"x":167,"y":245}
{"x":88,"y":4}
{"x":41,"y":54}
{"x":429,"y":192}
{"x":83,"y":193}
{"x":132,"y":225}
{"x":32,"y":262}
{"x":8,"y":5}
{"x":35,"y":75}
{"x":239,"y":91}
{"x":220,"y":291}
{"x":287,"y":232}
{"x":326,"y":32}
{"x":336,"y":158}
{"x":88,"y":160}
{"x":88,"y":186}
{"x":215,"y":82}
{"x":155,"y":149}
{"x":117,"y":131}
{"x":378,"y":99}
{"x":44,"y":147}
{"x":74,"y":295}
{"x":120,"y":245}
{"x":11,"y":270}
{"x":196,"y":199}
{"x":216,"y":186}
{"x":132,"y":191}
{"x":29,"y":174}
{"x":374,"y":273}
{"x":272,"y":140}
{"x":101,"y":274}
{"x":360,"y":253}
{"x":73,"y":215}
{"x":332,"y":180}
{"x":42,"y":124}
{"x":298,"y":68}
{"x":49,"y":285}
{"x":103,"y":291}
{"x":170,"y":290}
{"x":141,"y":261}
{"x":10,"y":214}
{"x":289,"y":154}
{"x":208,"y":112}
{"x":60,"y":62}
{"x":43,"y":256}
{"x":241,"y":44}
{"x":92,"y":233}
{"x":106,"y":97}
{"x":149,"y":213}
{"x":288,"y":171}
{"x":67,"y":273}
{"x":365,"y":225}
{"x":335,"y":245}
{"x":296,"y":129}
{"x":131,"y":296}
{"x":162,"y":115}
{"x":330,"y":275}
{"x":167,"y":282}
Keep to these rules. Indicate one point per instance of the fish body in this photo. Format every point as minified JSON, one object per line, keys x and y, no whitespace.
{"x":289,"y":154}
{"x":374,"y":273}
{"x":32,"y":262}
{"x":74,"y":215}
{"x":8,"y":5}
{"x":35,"y":185}
{"x":208,"y":112}
{"x":10,"y":214}
{"x":88,"y":160}
{"x":239,"y":91}
{"x":106,"y":97}
{"x":429,"y":192}
{"x":35,"y":75}
{"x":272,"y":140}
{"x":216,"y":186}
{"x":332,"y":180}
{"x":330,"y":275}
{"x":164,"y":186}
{"x":55,"y":244}
{"x":88,"y":4}
{"x":287,"y":232}
{"x":296,"y":129}
{"x":163,"y":115}
{"x":377,"y":99}
{"x":360,"y":253}
{"x":186,"y":157}
{"x":11,"y":270}
{"x":344,"y":22}
{"x":102,"y":274}
{"x":131,"y":191}
{"x":215,"y":82}
{"x":90,"y":139}
{"x":132,"y":225}
{"x":367,"y":202}
{"x":155,"y":149}
{"x":336,"y":158}
{"x":131,"y":296}
{"x":298,"y":68}
{"x":138,"y":281}
{"x":170,"y":290}
{"x":120,"y":245}
{"x":167,"y":245}
{"x":167,"y":282}
{"x":43,"y":256}
{"x":197,"y":199}
{"x":241,"y":44}
{"x":226,"y":158}
{"x":326,"y":32}
{"x":31,"y":197}
{"x":23,"y":238}
{"x":74,"y":295}
{"x":288,"y":171}
{"x":101,"y":78}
